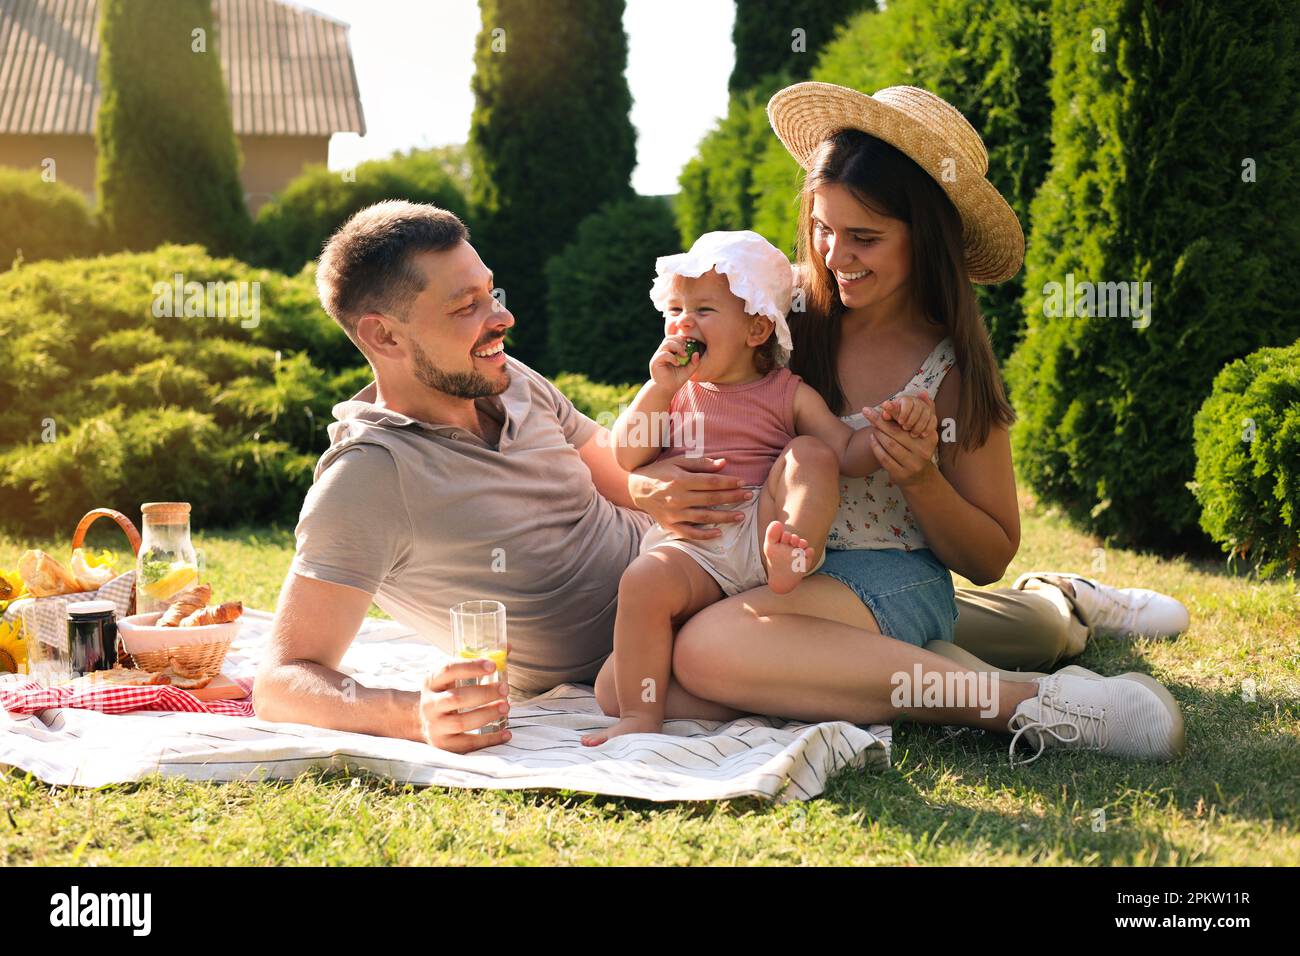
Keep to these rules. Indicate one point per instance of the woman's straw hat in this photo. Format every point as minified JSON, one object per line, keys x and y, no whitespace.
{"x":935,"y":135}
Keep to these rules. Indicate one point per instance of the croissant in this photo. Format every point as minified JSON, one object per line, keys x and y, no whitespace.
{"x":44,"y":576}
{"x":221,"y":614}
{"x":185,"y":604}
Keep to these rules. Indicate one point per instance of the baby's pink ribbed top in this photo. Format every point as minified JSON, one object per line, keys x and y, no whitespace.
{"x":749,"y":424}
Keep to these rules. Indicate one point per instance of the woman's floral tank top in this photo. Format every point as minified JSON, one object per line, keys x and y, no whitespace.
{"x":873,"y":512}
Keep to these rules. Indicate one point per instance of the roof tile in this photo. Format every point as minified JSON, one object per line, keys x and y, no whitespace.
{"x":288,"y":70}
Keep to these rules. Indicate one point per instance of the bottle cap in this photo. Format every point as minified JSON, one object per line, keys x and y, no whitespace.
{"x":165,"y":512}
{"x":91,"y":608}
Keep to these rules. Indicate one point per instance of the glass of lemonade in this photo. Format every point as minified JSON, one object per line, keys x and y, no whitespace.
{"x":479,"y":631}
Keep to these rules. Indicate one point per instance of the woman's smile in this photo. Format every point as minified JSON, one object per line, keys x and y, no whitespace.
{"x":849,"y":279}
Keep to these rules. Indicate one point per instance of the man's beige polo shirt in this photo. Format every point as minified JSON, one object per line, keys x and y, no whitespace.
{"x":423,"y":516}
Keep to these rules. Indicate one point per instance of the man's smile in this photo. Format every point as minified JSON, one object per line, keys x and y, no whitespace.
{"x":494,"y":353}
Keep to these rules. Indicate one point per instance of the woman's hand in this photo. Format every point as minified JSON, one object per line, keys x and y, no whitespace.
{"x":675,"y":491}
{"x":907,"y":459}
{"x":441,"y":723}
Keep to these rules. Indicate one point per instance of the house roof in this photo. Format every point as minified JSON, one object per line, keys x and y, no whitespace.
{"x":288,"y":70}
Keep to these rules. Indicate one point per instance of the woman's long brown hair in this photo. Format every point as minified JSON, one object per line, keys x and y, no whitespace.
{"x":889,"y":183}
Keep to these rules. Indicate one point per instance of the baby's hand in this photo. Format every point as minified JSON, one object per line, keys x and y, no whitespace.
{"x":666,"y":369}
{"x":913,"y":413}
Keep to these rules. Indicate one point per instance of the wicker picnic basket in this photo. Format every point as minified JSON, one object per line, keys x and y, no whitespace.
{"x":44,"y":619}
{"x":123,"y":522}
{"x":195,"y":660}
{"x":192,"y":660}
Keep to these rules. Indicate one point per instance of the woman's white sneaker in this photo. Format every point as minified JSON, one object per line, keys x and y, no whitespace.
{"x":1132,"y":716}
{"x":1117,"y":612}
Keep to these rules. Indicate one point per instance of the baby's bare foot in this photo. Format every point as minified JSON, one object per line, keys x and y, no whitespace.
{"x":787,"y":558}
{"x":635,"y":724}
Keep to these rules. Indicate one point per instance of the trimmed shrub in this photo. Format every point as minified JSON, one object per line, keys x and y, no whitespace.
{"x":775,"y":182}
{"x":350,"y":381}
{"x":1151,"y":182}
{"x":168,"y":159}
{"x":291,"y":406}
{"x":113,"y":460}
{"x":1248,"y":460}
{"x":764,"y":35}
{"x":989,"y":59}
{"x":594,"y":399}
{"x":227,"y":359}
{"x":292,"y":228}
{"x":602,"y":322}
{"x":160,"y":382}
{"x":42,"y":220}
{"x":103,"y":401}
{"x":551,"y":141}
{"x":716,"y":187}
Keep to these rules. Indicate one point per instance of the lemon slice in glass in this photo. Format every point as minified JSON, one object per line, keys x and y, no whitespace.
{"x":497,"y":657}
{"x":180,"y":577}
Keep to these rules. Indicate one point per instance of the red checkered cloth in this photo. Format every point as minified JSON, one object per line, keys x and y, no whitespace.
{"x":26,"y":696}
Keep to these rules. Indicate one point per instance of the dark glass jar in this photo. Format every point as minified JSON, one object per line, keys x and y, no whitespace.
{"x":92,"y":636}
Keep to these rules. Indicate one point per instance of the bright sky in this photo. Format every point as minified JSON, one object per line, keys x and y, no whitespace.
{"x":414,"y":60}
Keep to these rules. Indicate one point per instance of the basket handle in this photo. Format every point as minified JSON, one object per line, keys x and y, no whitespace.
{"x":123,"y":522}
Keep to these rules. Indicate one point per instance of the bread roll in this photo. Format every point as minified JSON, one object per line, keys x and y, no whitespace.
{"x":184,"y":681}
{"x":44,"y":576}
{"x":123,"y":675}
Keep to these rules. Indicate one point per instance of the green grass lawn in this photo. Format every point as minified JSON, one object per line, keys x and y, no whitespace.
{"x":950,"y":797}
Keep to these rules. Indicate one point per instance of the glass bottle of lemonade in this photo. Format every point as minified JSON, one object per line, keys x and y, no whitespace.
{"x":167,"y":564}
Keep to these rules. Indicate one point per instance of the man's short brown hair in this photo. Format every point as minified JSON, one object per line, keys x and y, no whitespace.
{"x":366,"y":265}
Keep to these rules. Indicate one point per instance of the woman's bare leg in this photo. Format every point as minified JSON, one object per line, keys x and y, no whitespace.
{"x":817,"y":654}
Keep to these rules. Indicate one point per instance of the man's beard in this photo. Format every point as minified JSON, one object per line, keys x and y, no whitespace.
{"x":469,"y":384}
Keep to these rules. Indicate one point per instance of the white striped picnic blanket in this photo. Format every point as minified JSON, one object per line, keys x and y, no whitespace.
{"x":692,"y":759}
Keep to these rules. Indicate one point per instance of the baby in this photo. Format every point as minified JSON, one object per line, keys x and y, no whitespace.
{"x":718,"y":388}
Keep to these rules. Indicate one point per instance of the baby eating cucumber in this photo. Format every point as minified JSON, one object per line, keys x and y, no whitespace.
{"x":692,"y":346}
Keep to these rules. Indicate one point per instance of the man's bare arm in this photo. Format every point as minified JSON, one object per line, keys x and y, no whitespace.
{"x":606,"y":474}
{"x":298,"y":680}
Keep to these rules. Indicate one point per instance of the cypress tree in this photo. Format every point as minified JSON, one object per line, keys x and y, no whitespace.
{"x":551,"y":141}
{"x":988,"y":58}
{"x":716,"y":187}
{"x":168,"y":162}
{"x":602,"y":322}
{"x":1177,"y":151}
{"x":784,"y":36}
{"x":776,"y":45}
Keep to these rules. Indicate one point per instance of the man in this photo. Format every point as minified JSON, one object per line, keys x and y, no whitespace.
{"x":459,"y":474}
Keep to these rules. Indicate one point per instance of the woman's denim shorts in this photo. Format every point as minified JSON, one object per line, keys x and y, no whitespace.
{"x":909,"y":592}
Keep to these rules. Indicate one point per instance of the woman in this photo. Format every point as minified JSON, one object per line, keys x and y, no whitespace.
{"x":896,"y":220}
